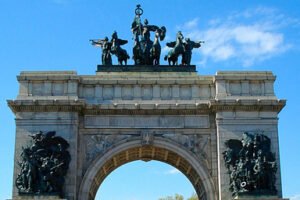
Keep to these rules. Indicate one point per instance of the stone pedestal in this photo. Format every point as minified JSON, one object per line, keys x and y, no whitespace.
{"x":258,"y":197}
{"x":38,"y":197}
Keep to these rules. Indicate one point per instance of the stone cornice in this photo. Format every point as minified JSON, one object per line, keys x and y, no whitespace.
{"x":245,"y":75}
{"x":45,"y":106}
{"x":188,"y":108}
{"x":48,"y":76}
{"x":274,"y":105}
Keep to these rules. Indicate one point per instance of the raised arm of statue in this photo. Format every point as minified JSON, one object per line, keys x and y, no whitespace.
{"x":152,"y":28}
{"x":97,"y":42}
{"x":197,"y":44}
{"x":171,"y":44}
{"x":122,"y":42}
{"x":162,"y":33}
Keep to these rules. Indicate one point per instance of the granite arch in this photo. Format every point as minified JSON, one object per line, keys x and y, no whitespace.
{"x":161,"y":150}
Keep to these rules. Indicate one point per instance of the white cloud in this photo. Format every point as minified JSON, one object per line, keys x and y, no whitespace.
{"x":247,"y":37}
{"x":296,"y":197}
{"x":191,"y":24}
{"x":173,"y":171}
{"x":165,"y":50}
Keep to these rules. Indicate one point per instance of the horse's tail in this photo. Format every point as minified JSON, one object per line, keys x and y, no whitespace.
{"x":166,"y":57}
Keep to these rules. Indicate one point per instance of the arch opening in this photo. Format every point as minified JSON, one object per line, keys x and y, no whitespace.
{"x":133,"y":151}
{"x":144,"y":180}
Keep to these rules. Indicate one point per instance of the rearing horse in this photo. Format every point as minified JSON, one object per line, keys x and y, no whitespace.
{"x":178,"y":49}
{"x":117,"y":50}
{"x":155,"y":50}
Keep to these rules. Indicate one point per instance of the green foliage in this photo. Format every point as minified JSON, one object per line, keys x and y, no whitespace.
{"x":193,"y":197}
{"x":179,"y":197}
{"x":176,"y":197}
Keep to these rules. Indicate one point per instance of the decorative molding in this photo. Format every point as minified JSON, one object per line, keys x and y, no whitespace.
{"x":142,"y":109}
{"x":98,"y":144}
{"x":146,"y":121}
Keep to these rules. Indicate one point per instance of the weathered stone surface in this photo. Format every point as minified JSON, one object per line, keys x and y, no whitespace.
{"x":115,"y":117}
{"x":258,"y":197}
{"x":38,"y":198}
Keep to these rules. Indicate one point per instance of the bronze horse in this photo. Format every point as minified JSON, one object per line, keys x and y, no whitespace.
{"x":178,"y":49}
{"x":117,"y":50}
{"x":155,"y":50}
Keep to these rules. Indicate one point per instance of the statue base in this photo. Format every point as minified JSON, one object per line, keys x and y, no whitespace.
{"x":38,"y":197}
{"x":258,"y":197}
{"x":146,"y":68}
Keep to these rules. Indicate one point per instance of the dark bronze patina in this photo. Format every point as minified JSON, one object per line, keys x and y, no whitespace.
{"x":182,"y":48}
{"x":145,"y":51}
{"x":112,"y":47}
{"x":106,"y":50}
{"x":43,"y":165}
{"x":251,"y":165}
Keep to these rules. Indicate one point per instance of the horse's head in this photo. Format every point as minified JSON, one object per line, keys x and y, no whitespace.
{"x":179,"y":36}
{"x":162,"y":33}
{"x":113,"y":46}
{"x":157,"y":34}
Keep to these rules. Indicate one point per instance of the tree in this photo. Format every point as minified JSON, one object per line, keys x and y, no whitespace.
{"x":179,"y":197}
{"x":193,"y":197}
{"x":176,"y":197}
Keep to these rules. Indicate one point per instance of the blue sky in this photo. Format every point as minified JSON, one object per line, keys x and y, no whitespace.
{"x":239,"y":35}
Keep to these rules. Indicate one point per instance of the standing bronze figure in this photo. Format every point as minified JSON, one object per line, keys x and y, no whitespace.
{"x":178,"y":49}
{"x":188,"y":47}
{"x":106,"y":50}
{"x":112,"y":47}
{"x":182,"y":48}
{"x":144,"y":51}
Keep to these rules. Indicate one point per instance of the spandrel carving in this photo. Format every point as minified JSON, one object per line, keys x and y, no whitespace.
{"x":251,"y":165}
{"x":196,"y":143}
{"x":98,"y":144}
{"x":44,"y":165}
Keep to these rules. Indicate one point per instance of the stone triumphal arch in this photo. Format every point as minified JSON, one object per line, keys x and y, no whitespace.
{"x":124,"y":114}
{"x":162,"y":150}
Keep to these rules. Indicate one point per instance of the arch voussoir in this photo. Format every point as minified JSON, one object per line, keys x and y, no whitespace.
{"x":161,"y":150}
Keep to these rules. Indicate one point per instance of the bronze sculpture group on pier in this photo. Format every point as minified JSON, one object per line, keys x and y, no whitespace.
{"x":145,"y":51}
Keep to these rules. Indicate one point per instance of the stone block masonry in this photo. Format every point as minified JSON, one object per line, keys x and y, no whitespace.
{"x":121,"y":114}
